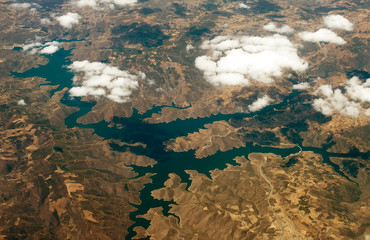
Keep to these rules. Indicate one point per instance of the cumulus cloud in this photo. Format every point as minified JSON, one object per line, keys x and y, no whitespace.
{"x":68,"y":20}
{"x":260,"y":103}
{"x":45,"y":21}
{"x":321,"y":35}
{"x":21,"y":102}
{"x":189,"y":47}
{"x":49,"y":49}
{"x":150,"y":82}
{"x":31,"y":46}
{"x":99,"y":3}
{"x":21,"y":5}
{"x":349,"y":103}
{"x":235,"y":60}
{"x":88,"y":3}
{"x":357,"y":90}
{"x":335,"y":21}
{"x":243,"y":5}
{"x":302,"y":86}
{"x":273,"y":28}
{"x":31,"y":6}
{"x":42,"y":48}
{"x":100,"y":79}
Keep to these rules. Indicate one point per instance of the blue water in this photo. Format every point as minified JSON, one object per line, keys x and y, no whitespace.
{"x":54,"y":71}
{"x":155,"y":135}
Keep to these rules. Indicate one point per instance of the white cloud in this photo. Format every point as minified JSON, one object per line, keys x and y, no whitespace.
{"x":235,"y":60}
{"x":30,"y":6}
{"x":357,"y":90}
{"x":123,"y":2}
{"x":141,"y":75}
{"x":151,"y":82}
{"x":88,"y":3}
{"x":30,"y":46}
{"x":260,"y":103}
{"x":49,"y":49}
{"x":42,"y":48}
{"x":21,"y":5}
{"x":302,"y":86}
{"x":349,"y":103}
{"x":45,"y":21}
{"x":189,"y":47}
{"x":335,"y":21}
{"x":273,"y":28}
{"x":321,"y":35}
{"x":243,"y":5}
{"x":21,"y":102}
{"x":102,"y":79}
{"x":68,"y":20}
{"x":98,"y":3}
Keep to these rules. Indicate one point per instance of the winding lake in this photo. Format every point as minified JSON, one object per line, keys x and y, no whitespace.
{"x":155,"y":135}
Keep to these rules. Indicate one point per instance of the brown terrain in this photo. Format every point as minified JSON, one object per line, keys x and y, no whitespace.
{"x":264,"y":199}
{"x":218,"y":136}
{"x":57,"y":182}
{"x":68,"y":183}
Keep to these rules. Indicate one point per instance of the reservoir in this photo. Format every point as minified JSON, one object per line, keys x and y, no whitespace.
{"x":135,"y":130}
